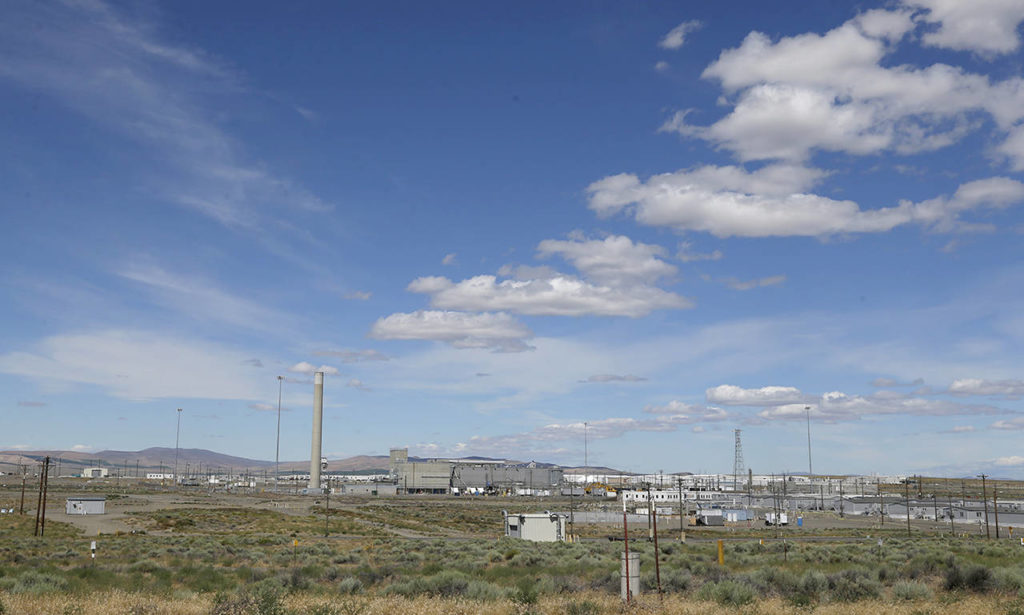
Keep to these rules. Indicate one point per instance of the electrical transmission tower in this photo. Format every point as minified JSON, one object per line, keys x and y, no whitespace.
{"x":737,"y":464}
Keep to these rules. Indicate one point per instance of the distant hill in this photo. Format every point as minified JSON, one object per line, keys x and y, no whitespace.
{"x":157,"y":458}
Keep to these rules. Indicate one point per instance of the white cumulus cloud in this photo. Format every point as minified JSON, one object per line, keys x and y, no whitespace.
{"x":983,"y":26}
{"x":731,"y":395}
{"x":676,"y":37}
{"x":615,"y":260}
{"x":497,"y":331}
{"x":729,"y":201}
{"x":560,"y":295}
{"x":303,"y":367}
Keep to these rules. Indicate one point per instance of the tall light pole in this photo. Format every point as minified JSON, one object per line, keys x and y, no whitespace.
{"x":586,"y":459}
{"x":810,"y":467}
{"x":277,"y":453}
{"x":177,"y":438}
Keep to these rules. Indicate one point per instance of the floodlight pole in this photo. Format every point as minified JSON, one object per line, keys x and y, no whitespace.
{"x":177,"y":438}
{"x":277,"y":451}
{"x":586,"y":458}
{"x":810,"y":466}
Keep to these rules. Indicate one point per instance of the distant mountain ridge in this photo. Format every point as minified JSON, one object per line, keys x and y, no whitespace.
{"x":158,"y":458}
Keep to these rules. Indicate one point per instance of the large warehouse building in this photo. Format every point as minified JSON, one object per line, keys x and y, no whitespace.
{"x":460,"y":476}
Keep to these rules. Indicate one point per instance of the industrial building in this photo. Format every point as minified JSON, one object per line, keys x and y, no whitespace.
{"x":369,"y":489}
{"x":94,"y":472}
{"x":470,"y":476}
{"x":539,"y":527}
{"x":86,"y":505}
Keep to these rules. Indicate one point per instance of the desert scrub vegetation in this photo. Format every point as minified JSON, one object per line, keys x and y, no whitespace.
{"x":252,"y":521}
{"x":119,"y":603}
{"x":258,"y":572}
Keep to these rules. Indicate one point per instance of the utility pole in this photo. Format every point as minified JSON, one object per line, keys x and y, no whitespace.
{"x":650,"y":506}
{"x":625,"y":536}
{"x":906,"y":495}
{"x":39,"y":501}
{"x":327,"y":510}
{"x":679,"y":483}
{"x":984,"y":498}
{"x":177,"y":437}
{"x":841,"y":500}
{"x":572,"y":510}
{"x":657,"y":553}
{"x":46,"y":488}
{"x":881,"y":503}
{"x":952,"y":529}
{"x":995,"y":507}
{"x":24,"y":474}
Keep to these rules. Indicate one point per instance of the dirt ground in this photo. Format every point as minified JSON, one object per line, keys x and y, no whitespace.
{"x":125,"y":499}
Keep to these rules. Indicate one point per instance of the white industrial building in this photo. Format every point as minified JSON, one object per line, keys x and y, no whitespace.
{"x":94,"y":472}
{"x":86,"y":505}
{"x":539,"y":527}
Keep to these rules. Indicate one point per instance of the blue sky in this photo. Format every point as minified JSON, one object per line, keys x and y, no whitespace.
{"x":491,"y":224}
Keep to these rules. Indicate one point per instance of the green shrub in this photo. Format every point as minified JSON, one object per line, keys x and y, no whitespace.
{"x":263,"y":598}
{"x":727,"y":593}
{"x":976,"y":578}
{"x":32,"y":582}
{"x":777,"y":580}
{"x":854,"y":584}
{"x":813,"y":583}
{"x":484,"y":591}
{"x":525,"y":594}
{"x":1009,"y":580}
{"x":586,"y":607}
{"x":676,"y":580}
{"x":910,"y":591}
{"x":448,"y":584}
{"x":350,"y":585}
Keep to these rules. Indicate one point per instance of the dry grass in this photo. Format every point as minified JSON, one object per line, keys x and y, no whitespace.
{"x":122,"y":603}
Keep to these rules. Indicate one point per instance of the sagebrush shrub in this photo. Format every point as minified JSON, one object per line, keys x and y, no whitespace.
{"x":910,"y":591}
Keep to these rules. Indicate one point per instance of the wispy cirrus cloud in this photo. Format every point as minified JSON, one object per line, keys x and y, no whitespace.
{"x":1007,"y":389}
{"x":140,"y":365}
{"x":113,"y":67}
{"x":604,"y":378}
{"x":349,"y":355}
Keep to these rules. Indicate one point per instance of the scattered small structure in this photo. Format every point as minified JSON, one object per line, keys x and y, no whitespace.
{"x":538,"y":527}
{"x":367,"y":489}
{"x":86,"y":505}
{"x":711,"y":516}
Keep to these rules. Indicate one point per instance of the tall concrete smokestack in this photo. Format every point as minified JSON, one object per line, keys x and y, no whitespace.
{"x":318,"y":424}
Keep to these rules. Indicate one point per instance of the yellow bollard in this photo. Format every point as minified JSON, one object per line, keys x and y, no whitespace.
{"x":721,"y":554}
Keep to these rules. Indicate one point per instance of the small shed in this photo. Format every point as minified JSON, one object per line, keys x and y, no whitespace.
{"x":84,"y":505}
{"x":539,"y":527}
